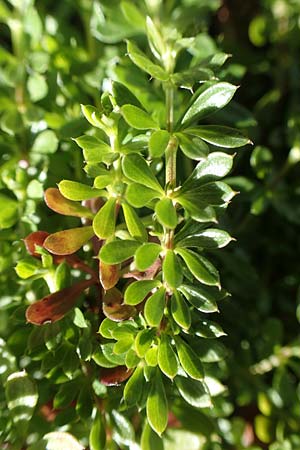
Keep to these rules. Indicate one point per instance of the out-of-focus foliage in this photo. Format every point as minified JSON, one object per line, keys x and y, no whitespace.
{"x":58,"y":55}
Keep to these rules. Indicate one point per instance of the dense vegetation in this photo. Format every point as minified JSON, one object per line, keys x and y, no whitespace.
{"x":118,"y":124}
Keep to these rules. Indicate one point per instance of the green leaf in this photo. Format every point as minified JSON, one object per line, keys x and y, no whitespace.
{"x":37,"y":87}
{"x":194,"y":392}
{"x":21,"y":397}
{"x":103,"y":178}
{"x":67,"y":242}
{"x":106,"y":328}
{"x":154,"y":307}
{"x":133,"y":14}
{"x":150,"y":440}
{"x":211,"y":351}
{"x":189,"y":360}
{"x":166,"y":213}
{"x":123,"y":96}
{"x":95,"y":150}
{"x":123,"y":345}
{"x":58,"y":203}
{"x":158,"y":143}
{"x":208,"y":329}
{"x":192,"y":147}
{"x":216,"y":166}
{"x":66,"y":394}
{"x":146,"y":255}
{"x":143,"y":341}
{"x":167,"y":360}
{"x":105,"y":220}
{"x":72,"y":190}
{"x":134,"y":387}
{"x":138,"y":195}
{"x":200,"y":297}
{"x":210,"y":100}
{"x":136,"y":169}
{"x":172,"y":270}
{"x":122,"y":429}
{"x":79,"y":319}
{"x":220,"y":136}
{"x":180,"y":311}
{"x":108,"y":352}
{"x":138,"y":118}
{"x":157,"y":406}
{"x":200,"y":267}
{"x":187,"y":78}
{"x":118,"y":251}
{"x":97,"y":437}
{"x":210,"y":238}
{"x":199,"y":213}
{"x":138,"y":290}
{"x":46,"y":142}
{"x":8,"y":211}
{"x":144,"y":63}
{"x":28,"y":267}
{"x":134,"y":224}
{"x":215,"y":193}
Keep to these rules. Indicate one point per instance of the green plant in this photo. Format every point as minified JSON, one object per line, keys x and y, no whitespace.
{"x":153,"y":231}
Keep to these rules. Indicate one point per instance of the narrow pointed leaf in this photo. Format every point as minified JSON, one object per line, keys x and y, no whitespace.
{"x":167,"y":360}
{"x":134,"y":224}
{"x":154,"y":307}
{"x":138,"y":195}
{"x":172,"y":270}
{"x":189,"y":360}
{"x":118,"y":251}
{"x":146,"y":255}
{"x":180,"y":311}
{"x":136,"y":169}
{"x":194,"y":392}
{"x":97,"y":437}
{"x":215,"y":193}
{"x":138,"y":118}
{"x":105,"y":220}
{"x":144,"y":63}
{"x":58,"y":203}
{"x":210,"y":100}
{"x":68,"y":241}
{"x":157,"y":406}
{"x":166,"y":213}
{"x":134,"y":387}
{"x":72,"y":190}
{"x":138,"y":290}
{"x":220,"y":136}
{"x":158,"y":143}
{"x":209,"y":238}
{"x":200,"y":267}
{"x":55,"y":306}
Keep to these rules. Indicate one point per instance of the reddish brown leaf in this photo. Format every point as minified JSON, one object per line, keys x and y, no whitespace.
{"x":118,"y":313}
{"x":58,"y":203}
{"x":109,"y":274}
{"x":115,"y":375}
{"x":112,"y":297}
{"x":33,"y":239}
{"x":55,"y":306}
{"x":67,"y":242}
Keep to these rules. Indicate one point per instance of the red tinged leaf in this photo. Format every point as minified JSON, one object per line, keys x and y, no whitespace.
{"x":67,"y":242}
{"x":115,"y":375}
{"x":55,"y":306}
{"x":33,"y":239}
{"x":108,"y":274}
{"x":58,"y":203}
{"x":113,"y":306}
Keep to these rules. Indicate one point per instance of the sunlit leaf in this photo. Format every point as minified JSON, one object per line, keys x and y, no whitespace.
{"x":68,"y":241}
{"x":58,"y":203}
{"x":105,"y":219}
{"x":118,"y":251}
{"x":138,"y":290}
{"x":201,"y":268}
{"x":136,"y":169}
{"x":154,"y":307}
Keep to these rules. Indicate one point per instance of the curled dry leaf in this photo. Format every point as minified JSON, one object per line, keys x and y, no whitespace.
{"x":115,"y":375}
{"x":55,"y":306}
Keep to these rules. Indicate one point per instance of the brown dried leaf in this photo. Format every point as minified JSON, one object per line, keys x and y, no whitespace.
{"x":118,"y":313}
{"x":58,"y":203}
{"x":67,"y":242}
{"x":115,"y":375}
{"x":55,"y":306}
{"x":108,"y":274}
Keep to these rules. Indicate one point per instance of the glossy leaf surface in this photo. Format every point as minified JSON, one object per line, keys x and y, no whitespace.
{"x":154,"y":307}
{"x":137,"y":291}
{"x":58,"y":203}
{"x":201,"y":268}
{"x":68,"y":241}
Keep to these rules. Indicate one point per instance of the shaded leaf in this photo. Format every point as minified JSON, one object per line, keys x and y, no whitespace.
{"x":220,"y":136}
{"x":97,"y":436}
{"x":194,"y":392}
{"x":150,"y":440}
{"x":157,"y":406}
{"x":189,"y":360}
{"x":180,"y":311}
{"x":115,"y":375}
{"x":68,"y":241}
